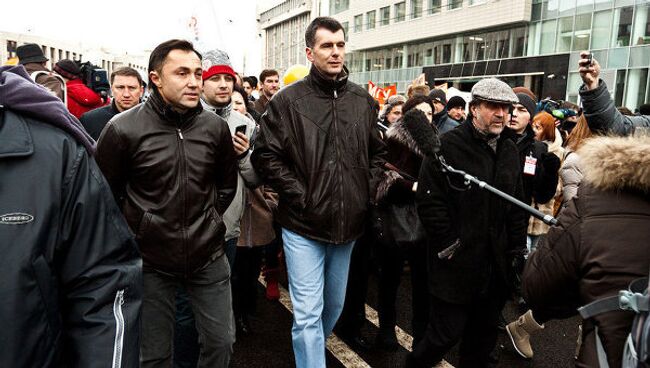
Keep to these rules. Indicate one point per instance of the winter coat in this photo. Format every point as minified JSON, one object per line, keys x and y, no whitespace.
{"x":602,"y":115}
{"x":319,"y":150}
{"x":246,"y":178}
{"x":491,"y":231}
{"x":81,"y":99}
{"x":443,"y":122}
{"x":535,"y":225}
{"x":174,"y":175}
{"x":407,"y":143}
{"x":95,"y":120}
{"x":257,"y":220}
{"x":71,"y":274}
{"x":48,"y":81}
{"x":600,"y":245}
{"x":571,"y":175}
{"x":541,"y":186}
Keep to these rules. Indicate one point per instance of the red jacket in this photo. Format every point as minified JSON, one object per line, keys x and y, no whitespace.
{"x":82,"y":99}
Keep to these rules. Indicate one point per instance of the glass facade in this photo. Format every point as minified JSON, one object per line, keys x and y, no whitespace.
{"x":616,"y":31}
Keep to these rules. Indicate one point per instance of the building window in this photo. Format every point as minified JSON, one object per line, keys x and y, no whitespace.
{"x":371,"y":18}
{"x":454,"y":4}
{"x":337,"y":6}
{"x":548,"y":37}
{"x":346,"y":26}
{"x":582,"y":32}
{"x":358,"y":22}
{"x":416,"y":9}
{"x":564,"y":34}
{"x":434,"y":6}
{"x":384,"y":13}
{"x":400,"y":12}
{"x":641,"y":29}
{"x":622,"y":26}
{"x":446,"y":54}
{"x":602,"y":29}
{"x":476,"y":2}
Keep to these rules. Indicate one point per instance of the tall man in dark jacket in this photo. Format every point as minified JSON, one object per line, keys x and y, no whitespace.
{"x":126,"y":88}
{"x":172,"y":168}
{"x":472,"y":233}
{"x":319,"y":151}
{"x":71,"y":286}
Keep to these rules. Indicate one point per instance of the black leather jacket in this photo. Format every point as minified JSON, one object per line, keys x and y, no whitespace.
{"x":174,"y":176}
{"x":320,"y":152}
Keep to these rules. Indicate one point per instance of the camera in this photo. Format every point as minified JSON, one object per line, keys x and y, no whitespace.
{"x":95,"y":78}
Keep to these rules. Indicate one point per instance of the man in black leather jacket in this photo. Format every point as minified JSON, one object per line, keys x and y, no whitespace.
{"x":319,"y":151}
{"x":71,"y":286}
{"x":172,"y":167}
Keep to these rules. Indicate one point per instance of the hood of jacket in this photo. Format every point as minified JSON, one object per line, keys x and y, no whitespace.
{"x":415,"y":132}
{"x":617,"y":163}
{"x":20,"y":93}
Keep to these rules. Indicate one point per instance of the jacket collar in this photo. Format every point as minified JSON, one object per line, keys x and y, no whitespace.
{"x":328,"y":85}
{"x":167,"y":113}
{"x":222,"y":111}
{"x":15,"y":138}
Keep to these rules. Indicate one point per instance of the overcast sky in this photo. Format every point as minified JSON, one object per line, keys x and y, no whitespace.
{"x":133,"y":26}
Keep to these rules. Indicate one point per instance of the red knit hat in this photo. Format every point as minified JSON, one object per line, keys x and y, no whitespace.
{"x":216,"y":62}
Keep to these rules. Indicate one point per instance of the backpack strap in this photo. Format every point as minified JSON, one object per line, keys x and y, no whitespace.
{"x":38,"y":73}
{"x":599,"y":306}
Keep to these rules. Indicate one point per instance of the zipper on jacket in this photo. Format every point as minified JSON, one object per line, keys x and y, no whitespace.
{"x":182,"y":185}
{"x":340,"y":217}
{"x":119,"y":329}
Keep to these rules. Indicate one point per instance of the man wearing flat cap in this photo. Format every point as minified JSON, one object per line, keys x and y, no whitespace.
{"x":472,"y":234}
{"x":31,"y":56}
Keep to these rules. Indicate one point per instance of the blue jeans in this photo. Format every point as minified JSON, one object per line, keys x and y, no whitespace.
{"x":318,"y":275}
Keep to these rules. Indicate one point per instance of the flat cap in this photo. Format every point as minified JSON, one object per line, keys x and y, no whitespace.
{"x":494,"y":90}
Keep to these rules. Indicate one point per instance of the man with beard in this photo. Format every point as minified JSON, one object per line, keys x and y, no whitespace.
{"x":472,"y":233}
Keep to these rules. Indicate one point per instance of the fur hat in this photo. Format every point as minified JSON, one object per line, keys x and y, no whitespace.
{"x":216,"y":62}
{"x":528,"y":103}
{"x":67,"y":69}
{"x":456,"y":101}
{"x":30,"y":53}
{"x":494,"y":90}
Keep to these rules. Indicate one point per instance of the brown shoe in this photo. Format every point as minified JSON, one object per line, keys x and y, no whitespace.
{"x":520,"y":331}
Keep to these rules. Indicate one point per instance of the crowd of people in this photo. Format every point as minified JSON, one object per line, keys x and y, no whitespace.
{"x":133,"y":231}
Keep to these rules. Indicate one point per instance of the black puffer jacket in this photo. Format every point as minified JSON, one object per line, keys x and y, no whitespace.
{"x":319,"y":150}
{"x":71,"y":273}
{"x":174,"y":176}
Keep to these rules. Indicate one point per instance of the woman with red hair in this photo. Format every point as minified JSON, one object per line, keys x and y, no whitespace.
{"x":544,"y":127}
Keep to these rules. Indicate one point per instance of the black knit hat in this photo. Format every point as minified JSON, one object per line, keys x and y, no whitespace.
{"x":528,"y":103}
{"x":67,"y":69}
{"x":456,"y":101}
{"x":438,"y":95}
{"x":30,"y":53}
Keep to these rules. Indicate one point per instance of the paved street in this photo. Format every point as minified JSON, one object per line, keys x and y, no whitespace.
{"x":270,"y":345}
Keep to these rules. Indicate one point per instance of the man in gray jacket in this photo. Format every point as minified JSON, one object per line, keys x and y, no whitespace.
{"x":598,"y":106}
{"x":218,"y":84}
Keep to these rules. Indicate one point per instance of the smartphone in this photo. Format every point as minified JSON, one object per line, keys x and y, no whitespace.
{"x":589,"y":62}
{"x":241,"y":129}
